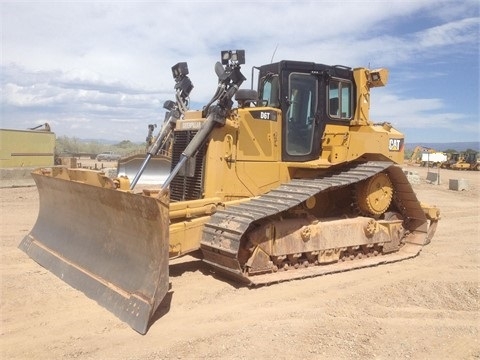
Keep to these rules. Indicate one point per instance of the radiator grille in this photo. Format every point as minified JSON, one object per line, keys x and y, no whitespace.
{"x":188,"y":183}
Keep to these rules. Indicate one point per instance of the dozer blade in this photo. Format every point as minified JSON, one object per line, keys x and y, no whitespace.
{"x":156,"y":172}
{"x":109,"y":244}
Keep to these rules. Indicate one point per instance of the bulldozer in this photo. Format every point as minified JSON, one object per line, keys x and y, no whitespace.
{"x":292,"y":181}
{"x":471,"y":158}
{"x":465,"y":161}
{"x":462,"y":161}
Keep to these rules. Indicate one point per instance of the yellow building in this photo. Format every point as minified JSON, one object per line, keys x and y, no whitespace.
{"x":26,"y":148}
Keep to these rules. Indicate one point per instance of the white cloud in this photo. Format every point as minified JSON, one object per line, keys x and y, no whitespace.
{"x":106,"y":66}
{"x":420,"y":119}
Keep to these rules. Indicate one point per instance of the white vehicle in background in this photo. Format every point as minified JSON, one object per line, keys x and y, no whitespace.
{"x":433,"y":159}
{"x":108,"y":156}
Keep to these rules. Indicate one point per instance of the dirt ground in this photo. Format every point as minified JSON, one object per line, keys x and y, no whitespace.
{"x":422,"y":308}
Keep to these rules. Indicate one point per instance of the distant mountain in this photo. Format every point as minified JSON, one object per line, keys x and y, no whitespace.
{"x":458,"y":146}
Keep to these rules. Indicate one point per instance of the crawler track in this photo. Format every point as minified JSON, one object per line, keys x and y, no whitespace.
{"x":223,"y":234}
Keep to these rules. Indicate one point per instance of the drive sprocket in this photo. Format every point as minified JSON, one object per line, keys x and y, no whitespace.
{"x":374,"y":194}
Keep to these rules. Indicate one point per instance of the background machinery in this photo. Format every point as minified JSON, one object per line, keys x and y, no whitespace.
{"x":471,"y":158}
{"x":418,"y":152}
{"x":435,"y":159}
{"x":294,"y":181}
{"x":427,"y":157}
{"x":462,"y":161}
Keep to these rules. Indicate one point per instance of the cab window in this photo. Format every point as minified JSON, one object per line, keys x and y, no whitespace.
{"x":269,"y":91}
{"x":340,"y":99}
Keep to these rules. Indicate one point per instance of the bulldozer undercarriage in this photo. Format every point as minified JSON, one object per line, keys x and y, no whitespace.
{"x":373,"y":218}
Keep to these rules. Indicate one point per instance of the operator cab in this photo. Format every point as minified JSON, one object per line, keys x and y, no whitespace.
{"x":310,"y":96}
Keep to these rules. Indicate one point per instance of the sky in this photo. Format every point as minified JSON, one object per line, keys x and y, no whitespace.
{"x":102,"y":70}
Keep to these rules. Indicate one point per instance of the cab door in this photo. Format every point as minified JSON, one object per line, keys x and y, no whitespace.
{"x":301,"y":126}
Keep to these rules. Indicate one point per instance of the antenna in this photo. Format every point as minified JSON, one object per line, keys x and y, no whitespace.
{"x":274,"y":51}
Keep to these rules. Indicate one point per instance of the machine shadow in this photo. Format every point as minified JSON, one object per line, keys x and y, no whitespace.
{"x":177,"y":270}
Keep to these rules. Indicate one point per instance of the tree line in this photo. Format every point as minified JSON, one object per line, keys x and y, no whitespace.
{"x":72,"y":146}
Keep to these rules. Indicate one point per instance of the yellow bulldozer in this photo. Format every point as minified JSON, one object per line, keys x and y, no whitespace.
{"x":293,"y":181}
{"x":462,"y":161}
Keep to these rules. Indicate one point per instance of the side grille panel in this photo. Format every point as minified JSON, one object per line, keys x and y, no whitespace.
{"x":188,"y":184}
